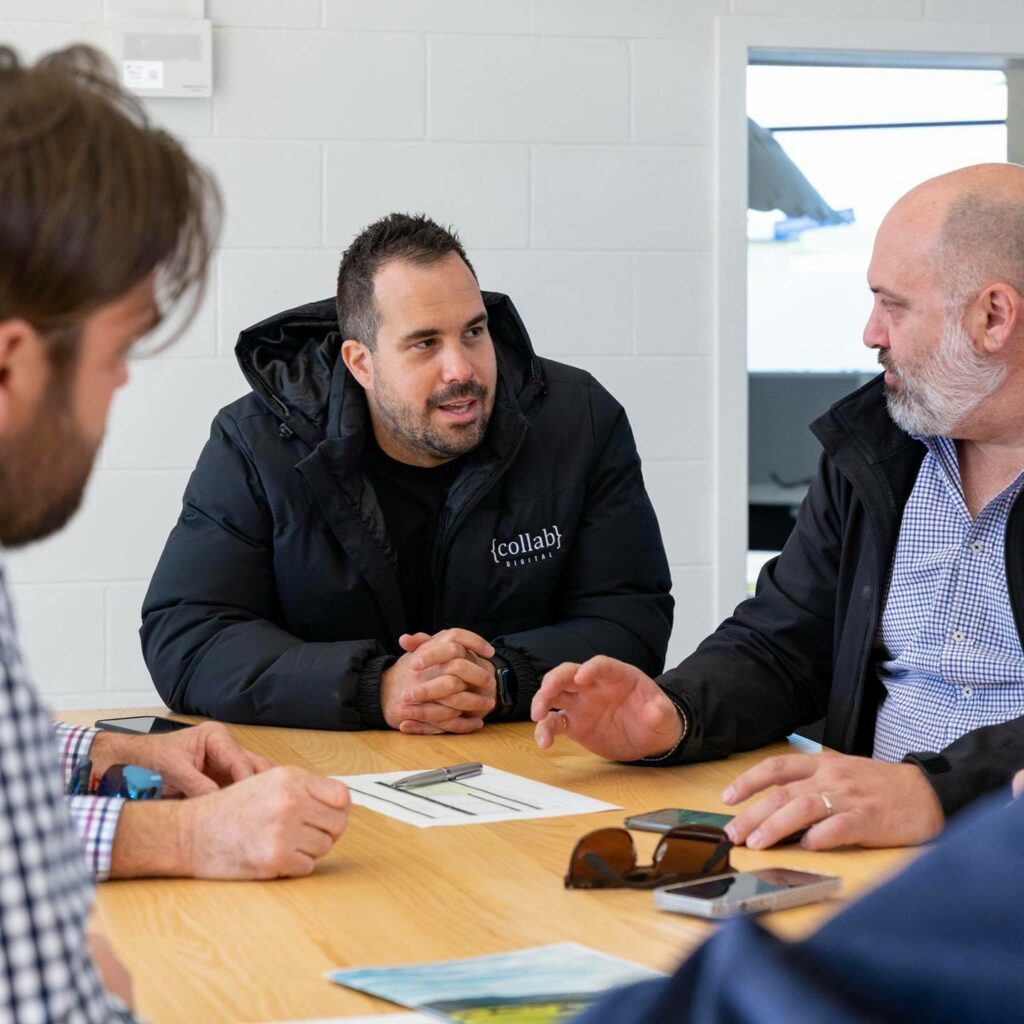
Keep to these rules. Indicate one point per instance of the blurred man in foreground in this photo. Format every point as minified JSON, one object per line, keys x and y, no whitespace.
{"x":104,"y":224}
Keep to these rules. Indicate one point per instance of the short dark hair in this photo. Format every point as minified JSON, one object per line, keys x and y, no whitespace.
{"x":398,"y":236}
{"x":93,"y":198}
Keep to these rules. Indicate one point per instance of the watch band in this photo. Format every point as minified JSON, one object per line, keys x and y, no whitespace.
{"x":505,"y":679}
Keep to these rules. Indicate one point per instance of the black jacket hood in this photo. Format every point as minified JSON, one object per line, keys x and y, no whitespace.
{"x":291,"y":362}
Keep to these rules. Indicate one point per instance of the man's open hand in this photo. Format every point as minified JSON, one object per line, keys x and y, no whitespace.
{"x":842,"y":800}
{"x":607,"y":706}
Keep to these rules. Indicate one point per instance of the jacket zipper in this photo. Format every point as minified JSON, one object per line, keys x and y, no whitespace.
{"x":449,"y":537}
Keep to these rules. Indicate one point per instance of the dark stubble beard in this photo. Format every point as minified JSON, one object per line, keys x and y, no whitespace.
{"x":44,"y":470}
{"x":414,"y":430}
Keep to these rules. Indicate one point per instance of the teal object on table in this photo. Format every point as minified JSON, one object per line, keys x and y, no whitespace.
{"x":131,"y":782}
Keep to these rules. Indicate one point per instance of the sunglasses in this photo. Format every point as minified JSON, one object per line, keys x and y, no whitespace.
{"x":606,"y":859}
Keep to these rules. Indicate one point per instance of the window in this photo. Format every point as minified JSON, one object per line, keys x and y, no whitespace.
{"x":862,"y":137}
{"x":808,"y":299}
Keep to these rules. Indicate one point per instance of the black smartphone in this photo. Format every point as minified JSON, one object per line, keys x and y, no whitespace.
{"x":144,"y":724}
{"x":669,"y":817}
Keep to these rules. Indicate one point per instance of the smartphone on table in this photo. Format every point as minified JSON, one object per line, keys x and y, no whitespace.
{"x":746,"y":892}
{"x":669,"y":817}
{"x":144,"y":724}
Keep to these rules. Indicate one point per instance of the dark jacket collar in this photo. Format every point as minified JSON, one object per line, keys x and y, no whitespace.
{"x":859,"y":426}
{"x":879,"y":459}
{"x":291,"y":361}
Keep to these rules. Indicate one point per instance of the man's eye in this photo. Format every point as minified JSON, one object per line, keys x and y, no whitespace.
{"x":426,"y":343}
{"x":475,"y":332}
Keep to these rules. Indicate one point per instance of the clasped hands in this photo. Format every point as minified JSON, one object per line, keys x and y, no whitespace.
{"x":443,"y":683}
{"x":618,"y":712}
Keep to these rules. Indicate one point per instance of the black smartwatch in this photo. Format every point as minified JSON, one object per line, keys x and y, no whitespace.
{"x":505,"y":694}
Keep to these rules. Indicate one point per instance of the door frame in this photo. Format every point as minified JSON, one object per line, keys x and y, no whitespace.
{"x":846,"y":41}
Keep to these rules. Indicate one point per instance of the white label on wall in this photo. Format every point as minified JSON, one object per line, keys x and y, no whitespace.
{"x":144,"y":74}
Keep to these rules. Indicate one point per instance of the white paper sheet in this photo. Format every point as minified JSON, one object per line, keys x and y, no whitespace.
{"x":493,"y":795}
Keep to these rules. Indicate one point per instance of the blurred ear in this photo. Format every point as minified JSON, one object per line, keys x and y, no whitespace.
{"x":995,"y":316}
{"x":23,"y":371}
{"x":359,"y":361}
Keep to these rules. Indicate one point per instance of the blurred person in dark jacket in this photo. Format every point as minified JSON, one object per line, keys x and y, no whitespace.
{"x":939,"y":944}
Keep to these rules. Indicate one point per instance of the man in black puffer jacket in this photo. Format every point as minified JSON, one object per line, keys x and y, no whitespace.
{"x":410,"y":519}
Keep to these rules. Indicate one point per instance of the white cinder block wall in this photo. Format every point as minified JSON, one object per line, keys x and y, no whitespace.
{"x":568,"y":140}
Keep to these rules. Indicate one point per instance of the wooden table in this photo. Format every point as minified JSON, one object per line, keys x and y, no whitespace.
{"x":390,"y":893}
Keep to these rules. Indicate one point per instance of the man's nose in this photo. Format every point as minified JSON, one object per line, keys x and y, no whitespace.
{"x":455,"y":365}
{"x":875,"y":334}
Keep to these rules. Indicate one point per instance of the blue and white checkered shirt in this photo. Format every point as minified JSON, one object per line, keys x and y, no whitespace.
{"x":951,"y":658}
{"x":46,"y":972}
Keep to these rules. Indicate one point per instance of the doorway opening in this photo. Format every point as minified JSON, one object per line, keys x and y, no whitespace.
{"x":831,"y":149}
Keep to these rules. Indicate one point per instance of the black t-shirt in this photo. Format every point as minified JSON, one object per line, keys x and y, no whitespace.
{"x":411,"y":498}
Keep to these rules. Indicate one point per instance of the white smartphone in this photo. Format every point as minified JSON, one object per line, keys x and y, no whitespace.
{"x":746,"y":892}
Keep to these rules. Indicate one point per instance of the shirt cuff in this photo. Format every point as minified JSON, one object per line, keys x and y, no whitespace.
{"x":96,"y":818}
{"x":73,"y":743}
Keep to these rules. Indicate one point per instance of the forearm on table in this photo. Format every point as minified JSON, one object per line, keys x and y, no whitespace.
{"x":256,"y":673}
{"x":152,"y":840}
{"x":110,"y":748}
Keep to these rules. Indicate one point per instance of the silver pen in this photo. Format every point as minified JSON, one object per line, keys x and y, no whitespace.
{"x":452,"y":773}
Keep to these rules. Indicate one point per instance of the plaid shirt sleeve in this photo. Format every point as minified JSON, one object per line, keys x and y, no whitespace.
{"x":46,"y":971}
{"x":73,"y":743}
{"x":95,"y":817}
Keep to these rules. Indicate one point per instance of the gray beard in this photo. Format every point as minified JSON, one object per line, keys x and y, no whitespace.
{"x":953,"y":381}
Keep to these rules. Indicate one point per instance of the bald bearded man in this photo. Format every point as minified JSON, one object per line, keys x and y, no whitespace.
{"x":896,"y":608}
